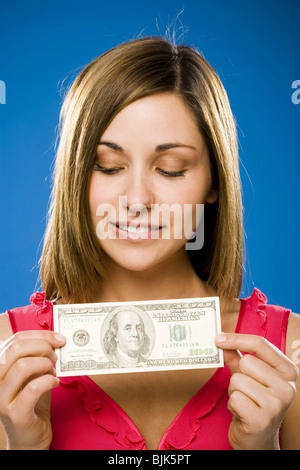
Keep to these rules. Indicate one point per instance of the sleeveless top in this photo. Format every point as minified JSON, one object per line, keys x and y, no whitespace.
{"x":84,"y":417}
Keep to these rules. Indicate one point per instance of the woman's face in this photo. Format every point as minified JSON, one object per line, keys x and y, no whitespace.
{"x":151,"y":169}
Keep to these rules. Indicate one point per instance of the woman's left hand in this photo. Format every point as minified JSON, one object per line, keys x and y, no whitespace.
{"x":261,"y":389}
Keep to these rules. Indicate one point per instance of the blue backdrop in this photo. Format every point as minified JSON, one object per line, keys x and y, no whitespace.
{"x":254,"y":47}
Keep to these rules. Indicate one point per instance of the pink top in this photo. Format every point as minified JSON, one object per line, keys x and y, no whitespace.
{"x":84,"y":417}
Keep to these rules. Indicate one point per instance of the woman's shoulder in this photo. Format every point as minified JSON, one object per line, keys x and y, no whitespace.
{"x":293,"y":338}
{"x":38,"y":315}
{"x":5,"y":327}
{"x":290,"y":435}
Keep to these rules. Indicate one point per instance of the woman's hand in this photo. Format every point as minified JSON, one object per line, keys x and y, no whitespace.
{"x":261,"y":389}
{"x":26,"y":379}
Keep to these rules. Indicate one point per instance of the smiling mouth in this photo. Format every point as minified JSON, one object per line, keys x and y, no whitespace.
{"x":136,"y":232}
{"x":137,"y":229}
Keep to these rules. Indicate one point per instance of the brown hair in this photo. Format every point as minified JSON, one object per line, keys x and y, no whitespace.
{"x":72,"y":262}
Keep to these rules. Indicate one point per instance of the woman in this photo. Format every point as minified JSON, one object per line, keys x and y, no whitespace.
{"x":148,"y":123}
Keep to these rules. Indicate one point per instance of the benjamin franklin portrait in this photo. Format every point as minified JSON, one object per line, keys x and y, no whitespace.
{"x":125,"y":341}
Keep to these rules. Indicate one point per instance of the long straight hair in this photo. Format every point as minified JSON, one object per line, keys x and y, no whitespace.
{"x":72,"y":261}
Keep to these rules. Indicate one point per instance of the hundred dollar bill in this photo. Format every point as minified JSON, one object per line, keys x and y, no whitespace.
{"x":115,"y":337}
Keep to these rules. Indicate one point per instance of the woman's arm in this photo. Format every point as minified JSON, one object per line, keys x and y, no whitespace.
{"x":290,"y":435}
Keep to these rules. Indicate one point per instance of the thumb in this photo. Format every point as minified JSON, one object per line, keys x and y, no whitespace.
{"x":231,"y":356}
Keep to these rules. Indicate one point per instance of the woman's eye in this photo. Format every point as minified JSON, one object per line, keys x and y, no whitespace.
{"x":115,"y":170}
{"x":171,"y":174}
{"x":106,"y":171}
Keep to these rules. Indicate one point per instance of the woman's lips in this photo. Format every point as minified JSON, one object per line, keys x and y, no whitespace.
{"x":138,"y":232}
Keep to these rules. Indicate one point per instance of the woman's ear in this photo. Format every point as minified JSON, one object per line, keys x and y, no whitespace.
{"x":212,"y":196}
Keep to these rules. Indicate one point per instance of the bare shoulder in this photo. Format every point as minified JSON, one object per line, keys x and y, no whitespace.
{"x":5,"y":328}
{"x":290,"y":437}
{"x":293,"y":338}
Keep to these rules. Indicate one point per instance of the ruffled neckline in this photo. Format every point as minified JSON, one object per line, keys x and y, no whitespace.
{"x":256,"y":302}
{"x":44,"y":312}
{"x":105,"y":412}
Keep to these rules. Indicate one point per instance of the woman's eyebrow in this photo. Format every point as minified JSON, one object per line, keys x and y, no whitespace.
{"x":112,"y":146}
{"x":163,"y":147}
{"x":158,"y":149}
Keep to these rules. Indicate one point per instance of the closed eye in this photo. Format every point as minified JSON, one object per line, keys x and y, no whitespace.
{"x":107,"y":171}
{"x":170,"y":174}
{"x":115,"y":170}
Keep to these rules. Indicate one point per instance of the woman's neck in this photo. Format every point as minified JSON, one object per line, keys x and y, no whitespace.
{"x":172,"y":280}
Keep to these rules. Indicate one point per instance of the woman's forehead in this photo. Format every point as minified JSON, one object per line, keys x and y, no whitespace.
{"x":160,"y":119}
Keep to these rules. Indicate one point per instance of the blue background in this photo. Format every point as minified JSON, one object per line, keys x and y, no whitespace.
{"x":254,"y":47}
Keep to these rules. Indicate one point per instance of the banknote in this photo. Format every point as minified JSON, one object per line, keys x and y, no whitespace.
{"x":117,"y":337}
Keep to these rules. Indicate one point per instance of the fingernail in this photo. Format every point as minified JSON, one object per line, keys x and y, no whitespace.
{"x":60,"y":338}
{"x":220,"y":338}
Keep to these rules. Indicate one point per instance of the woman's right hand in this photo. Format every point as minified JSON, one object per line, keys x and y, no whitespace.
{"x":27,"y":377}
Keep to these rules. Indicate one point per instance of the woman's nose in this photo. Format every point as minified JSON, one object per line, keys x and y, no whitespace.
{"x":139,"y":193}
